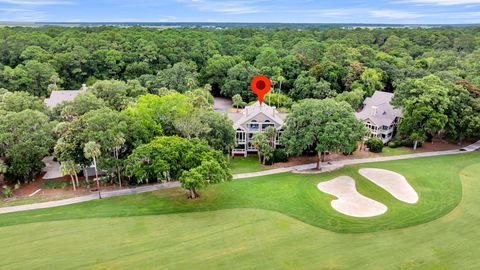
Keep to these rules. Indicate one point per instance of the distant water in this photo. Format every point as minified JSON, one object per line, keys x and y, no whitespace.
{"x":216,"y":25}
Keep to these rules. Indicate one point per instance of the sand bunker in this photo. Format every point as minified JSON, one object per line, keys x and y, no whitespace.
{"x":392,"y":182}
{"x":349,"y":201}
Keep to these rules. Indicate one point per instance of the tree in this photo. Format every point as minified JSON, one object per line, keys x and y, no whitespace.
{"x":237,"y":101}
{"x":374,"y":144}
{"x":26,"y":138}
{"x":268,"y":57}
{"x":216,"y":69}
{"x":200,"y":98}
{"x":321,"y":125}
{"x":92,"y":151}
{"x":220,"y":135}
{"x":238,"y":81}
{"x":113,"y":92}
{"x":308,"y":52}
{"x":3,"y":171}
{"x":19,"y":101}
{"x":209,"y":172}
{"x":355,"y":97}
{"x":271,"y":133}
{"x":192,"y":162}
{"x":191,"y":125}
{"x":181,"y":77}
{"x":163,"y":111}
{"x":425,"y":102}
{"x":38,"y":77}
{"x":82,"y":104}
{"x":71,"y":168}
{"x":278,"y":100}
{"x":35,"y":53}
{"x":372,"y":80}
{"x":306,"y":86}
{"x":264,"y":150}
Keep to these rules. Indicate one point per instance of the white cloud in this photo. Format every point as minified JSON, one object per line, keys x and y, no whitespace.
{"x":227,"y":7}
{"x":354,"y":12}
{"x":394,"y":14}
{"x":21,"y":15}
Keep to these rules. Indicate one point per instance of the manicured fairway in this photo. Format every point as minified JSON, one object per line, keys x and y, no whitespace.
{"x":127,"y":232}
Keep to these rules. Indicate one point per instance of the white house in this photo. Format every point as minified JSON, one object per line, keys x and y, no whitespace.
{"x":380,"y":116}
{"x":254,"y":119}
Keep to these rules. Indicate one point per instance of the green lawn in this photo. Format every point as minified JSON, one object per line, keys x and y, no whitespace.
{"x":246,"y":164}
{"x":231,"y":226}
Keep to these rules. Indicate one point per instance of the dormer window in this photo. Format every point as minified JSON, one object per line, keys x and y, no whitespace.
{"x":253,"y":125}
{"x":267,"y":124}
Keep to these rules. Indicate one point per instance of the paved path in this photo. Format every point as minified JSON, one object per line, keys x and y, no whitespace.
{"x":86,"y":198}
{"x":472,"y":147}
{"x":337,"y":164}
{"x":326,"y":167}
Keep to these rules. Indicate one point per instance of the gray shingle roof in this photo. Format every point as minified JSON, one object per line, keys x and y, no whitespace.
{"x":57,"y":97}
{"x":379,"y":110}
{"x":251,"y":111}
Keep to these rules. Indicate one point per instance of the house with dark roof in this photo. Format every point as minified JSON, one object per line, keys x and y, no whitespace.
{"x":254,"y":119}
{"x":379,"y":116}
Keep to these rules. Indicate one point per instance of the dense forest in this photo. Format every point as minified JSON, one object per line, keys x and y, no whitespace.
{"x":434,"y":72}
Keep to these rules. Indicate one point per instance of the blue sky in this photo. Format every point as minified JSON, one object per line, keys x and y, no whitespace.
{"x":303,"y":11}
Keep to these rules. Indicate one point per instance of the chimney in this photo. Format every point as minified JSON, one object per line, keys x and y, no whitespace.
{"x":374,"y":110}
{"x":84,"y":87}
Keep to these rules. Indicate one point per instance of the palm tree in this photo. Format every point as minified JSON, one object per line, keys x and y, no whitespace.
{"x":92,"y":151}
{"x":190,"y":83}
{"x":280,"y":79}
{"x":237,"y":101}
{"x":119,"y":143}
{"x":270,"y":132}
{"x":71,"y":168}
{"x":260,"y":142}
{"x":3,"y":170}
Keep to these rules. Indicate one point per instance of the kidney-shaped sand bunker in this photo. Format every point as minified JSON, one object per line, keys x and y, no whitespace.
{"x":392,"y":182}
{"x":349,"y":201}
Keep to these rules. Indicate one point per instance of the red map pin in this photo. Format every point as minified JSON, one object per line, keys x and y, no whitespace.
{"x":261,"y":86}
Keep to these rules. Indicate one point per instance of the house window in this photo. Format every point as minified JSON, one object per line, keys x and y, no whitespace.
{"x":253,"y":125}
{"x":240,"y":136}
{"x":267,"y":124}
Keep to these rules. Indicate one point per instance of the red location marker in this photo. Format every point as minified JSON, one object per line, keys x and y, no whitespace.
{"x":261,"y":86}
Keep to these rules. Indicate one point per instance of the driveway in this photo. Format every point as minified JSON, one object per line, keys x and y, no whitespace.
{"x":221,"y":104}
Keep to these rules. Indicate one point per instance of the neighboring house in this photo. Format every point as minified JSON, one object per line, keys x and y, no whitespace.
{"x":254,"y":119}
{"x":379,"y":116}
{"x":57,"y":97}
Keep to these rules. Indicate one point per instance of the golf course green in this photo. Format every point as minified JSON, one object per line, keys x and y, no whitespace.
{"x":272,"y":222}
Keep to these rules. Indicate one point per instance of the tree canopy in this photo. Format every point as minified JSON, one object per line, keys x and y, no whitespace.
{"x":321,"y":126}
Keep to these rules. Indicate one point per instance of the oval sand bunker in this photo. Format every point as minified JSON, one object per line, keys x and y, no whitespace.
{"x":349,"y":201}
{"x":393,"y":182}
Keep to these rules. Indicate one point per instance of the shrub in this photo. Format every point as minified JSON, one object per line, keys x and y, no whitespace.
{"x":279,"y":155}
{"x":54,"y":184}
{"x":7,"y":191}
{"x":352,"y":149}
{"x":394,"y":144}
{"x":410,"y":143}
{"x":375,"y":144}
